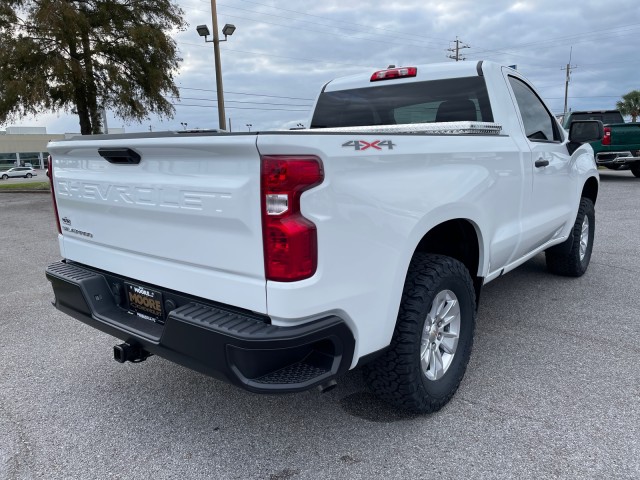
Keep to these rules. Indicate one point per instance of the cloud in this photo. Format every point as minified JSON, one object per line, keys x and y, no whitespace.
{"x":521,"y":7}
{"x":282,"y":53}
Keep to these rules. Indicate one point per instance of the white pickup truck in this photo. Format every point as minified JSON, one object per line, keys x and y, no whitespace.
{"x":279,"y":260}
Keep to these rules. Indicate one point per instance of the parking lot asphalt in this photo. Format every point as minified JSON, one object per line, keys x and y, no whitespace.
{"x":552,"y":389}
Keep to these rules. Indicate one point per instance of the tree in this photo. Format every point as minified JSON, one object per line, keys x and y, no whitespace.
{"x":86,"y":55}
{"x":630,"y":104}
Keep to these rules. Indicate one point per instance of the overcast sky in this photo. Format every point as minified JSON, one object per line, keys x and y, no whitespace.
{"x":283,"y":52}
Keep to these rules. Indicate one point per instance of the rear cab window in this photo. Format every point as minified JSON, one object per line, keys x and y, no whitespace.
{"x":449,"y":100}
{"x":605,"y":117}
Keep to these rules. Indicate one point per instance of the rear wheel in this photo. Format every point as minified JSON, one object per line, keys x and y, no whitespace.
{"x":572,"y":257}
{"x":433,"y":337}
{"x":635,"y":169}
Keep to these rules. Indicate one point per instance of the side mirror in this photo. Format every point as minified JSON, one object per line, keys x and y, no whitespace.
{"x":584,"y":131}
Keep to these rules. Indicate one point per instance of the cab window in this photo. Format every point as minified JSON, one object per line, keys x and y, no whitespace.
{"x":539,"y":124}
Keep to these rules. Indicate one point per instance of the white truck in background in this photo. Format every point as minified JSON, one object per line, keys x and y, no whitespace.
{"x":279,"y":260}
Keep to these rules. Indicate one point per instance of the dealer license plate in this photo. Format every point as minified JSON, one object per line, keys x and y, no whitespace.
{"x":145,"y":302}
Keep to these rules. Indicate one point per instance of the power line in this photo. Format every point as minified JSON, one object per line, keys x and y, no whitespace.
{"x":584,"y":96}
{"x":342,"y":34}
{"x":243,"y":93}
{"x":404,"y":33}
{"x":239,"y":101}
{"x":367,"y":27}
{"x":240,"y":108}
{"x":565,"y":38}
{"x":396,"y":33}
{"x":476,"y":52}
{"x":332,"y":25}
{"x":333,"y":21}
{"x":261,"y":54}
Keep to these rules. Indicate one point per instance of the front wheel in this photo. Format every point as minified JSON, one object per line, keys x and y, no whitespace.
{"x":433,"y":337}
{"x":4,"y":177}
{"x":29,"y":175}
{"x":635,"y":169}
{"x":572,"y":257}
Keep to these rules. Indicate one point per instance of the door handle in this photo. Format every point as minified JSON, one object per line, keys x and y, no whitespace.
{"x":541,"y":162}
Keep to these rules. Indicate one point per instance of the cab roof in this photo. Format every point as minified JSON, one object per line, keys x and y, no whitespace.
{"x":433,"y":71}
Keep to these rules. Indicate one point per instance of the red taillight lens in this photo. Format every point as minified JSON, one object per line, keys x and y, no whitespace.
{"x":290,"y":240}
{"x":53,"y":193}
{"x":606,"y":140}
{"x":402,"y":72}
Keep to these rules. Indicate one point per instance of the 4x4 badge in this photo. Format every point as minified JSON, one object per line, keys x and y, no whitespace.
{"x":364,"y":145}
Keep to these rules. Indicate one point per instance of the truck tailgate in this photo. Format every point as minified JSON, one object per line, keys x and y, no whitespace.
{"x":625,"y":136}
{"x":186,"y":217}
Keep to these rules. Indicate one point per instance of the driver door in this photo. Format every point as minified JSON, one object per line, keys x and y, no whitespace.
{"x":549,"y":207}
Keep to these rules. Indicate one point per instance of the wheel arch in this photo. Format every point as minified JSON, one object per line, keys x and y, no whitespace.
{"x":590,"y":189}
{"x":460,"y":239}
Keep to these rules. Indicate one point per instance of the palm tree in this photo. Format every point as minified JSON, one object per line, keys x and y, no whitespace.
{"x":630,"y":104}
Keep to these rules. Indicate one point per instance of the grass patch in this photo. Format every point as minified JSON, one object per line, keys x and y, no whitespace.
{"x":25,"y":186}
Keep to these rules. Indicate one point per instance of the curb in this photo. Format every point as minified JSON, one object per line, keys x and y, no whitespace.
{"x":11,"y":190}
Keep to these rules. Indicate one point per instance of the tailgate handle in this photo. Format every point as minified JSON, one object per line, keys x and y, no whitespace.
{"x":123,"y":156}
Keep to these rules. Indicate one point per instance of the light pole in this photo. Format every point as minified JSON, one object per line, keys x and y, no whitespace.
{"x":249,"y":125}
{"x":227,"y":30}
{"x":184,"y":125}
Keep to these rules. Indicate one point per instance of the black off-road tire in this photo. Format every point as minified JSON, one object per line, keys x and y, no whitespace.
{"x":635,"y":169}
{"x":564,"y":259}
{"x":397,"y":376}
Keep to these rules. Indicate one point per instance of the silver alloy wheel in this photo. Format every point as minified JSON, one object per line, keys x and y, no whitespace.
{"x":440,"y":335}
{"x":584,"y":237}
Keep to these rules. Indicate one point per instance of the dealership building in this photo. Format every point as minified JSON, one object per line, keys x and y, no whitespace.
{"x":25,"y":145}
{"x":20,"y":146}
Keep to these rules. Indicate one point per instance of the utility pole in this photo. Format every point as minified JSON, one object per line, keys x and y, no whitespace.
{"x":456,"y":51}
{"x":216,"y":53}
{"x":227,"y":30}
{"x":568,"y":69}
{"x":105,"y":127}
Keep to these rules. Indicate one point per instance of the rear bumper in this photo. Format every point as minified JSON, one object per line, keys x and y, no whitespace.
{"x":617,"y":158}
{"x":240,"y":347}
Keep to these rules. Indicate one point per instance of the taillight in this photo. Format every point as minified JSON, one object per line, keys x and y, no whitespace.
{"x":290,"y":240}
{"x":53,"y":193}
{"x":606,"y":140}
{"x":402,"y":72}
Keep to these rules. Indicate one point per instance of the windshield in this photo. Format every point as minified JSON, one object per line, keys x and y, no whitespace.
{"x":450,"y":100}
